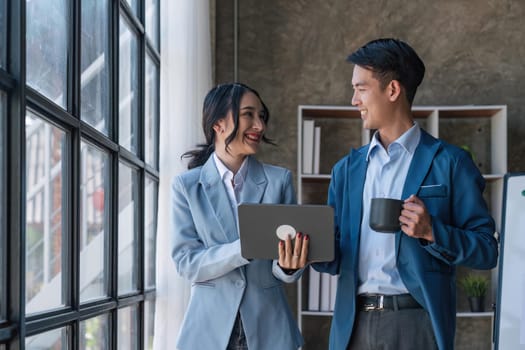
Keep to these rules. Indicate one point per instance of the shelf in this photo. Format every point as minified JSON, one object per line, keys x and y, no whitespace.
{"x":317,"y":313}
{"x":459,"y":314}
{"x":315,"y":112}
{"x":469,"y":111}
{"x":493,"y":177}
{"x":308,"y":177}
{"x":475,"y":314}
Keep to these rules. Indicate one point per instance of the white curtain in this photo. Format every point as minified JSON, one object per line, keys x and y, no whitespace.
{"x":185,"y":78}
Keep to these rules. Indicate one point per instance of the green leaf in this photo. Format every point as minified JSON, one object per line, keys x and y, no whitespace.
{"x":474,"y":285}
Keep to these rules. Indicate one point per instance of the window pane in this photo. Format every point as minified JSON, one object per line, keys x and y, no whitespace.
{"x":127,"y":229}
{"x":95,"y":65}
{"x":55,"y":339}
{"x":152,"y":112}
{"x":94,"y":333}
{"x":128,"y":88}
{"x":46,"y":203}
{"x":150,"y":234}
{"x":152,"y":21}
{"x":134,"y":4}
{"x":149,"y":323}
{"x":46,"y":48}
{"x":3,"y":33}
{"x":3,"y":201}
{"x":94,"y":222}
{"x":128,"y":328}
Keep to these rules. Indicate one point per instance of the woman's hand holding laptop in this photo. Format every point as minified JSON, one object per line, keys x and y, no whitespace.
{"x":293,"y":255}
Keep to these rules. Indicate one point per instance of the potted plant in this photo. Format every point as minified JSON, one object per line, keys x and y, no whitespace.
{"x":475,"y":286}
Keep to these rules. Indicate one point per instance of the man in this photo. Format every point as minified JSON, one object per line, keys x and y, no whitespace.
{"x":398,"y":291}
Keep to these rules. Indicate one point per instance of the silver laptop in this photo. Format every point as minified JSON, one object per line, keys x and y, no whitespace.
{"x":260,"y":225}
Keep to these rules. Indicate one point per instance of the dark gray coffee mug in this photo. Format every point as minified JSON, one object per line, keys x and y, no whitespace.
{"x":384,"y":214}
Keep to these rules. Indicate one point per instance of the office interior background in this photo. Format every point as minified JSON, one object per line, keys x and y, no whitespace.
{"x":86,"y":113}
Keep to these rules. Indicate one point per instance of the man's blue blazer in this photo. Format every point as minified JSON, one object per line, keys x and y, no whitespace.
{"x":445,"y":178}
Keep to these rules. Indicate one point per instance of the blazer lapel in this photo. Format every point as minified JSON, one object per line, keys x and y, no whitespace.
{"x":357,"y":169}
{"x":421,"y":163}
{"x":419,"y":168}
{"x":255,"y":182}
{"x":218,"y":199}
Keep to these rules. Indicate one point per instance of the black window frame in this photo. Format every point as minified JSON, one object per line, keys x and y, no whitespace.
{"x":16,"y":325}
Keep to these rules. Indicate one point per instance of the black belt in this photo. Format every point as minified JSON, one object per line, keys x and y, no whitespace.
{"x":378,"y":302}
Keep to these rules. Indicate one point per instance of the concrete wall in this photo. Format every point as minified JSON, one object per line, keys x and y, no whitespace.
{"x":293,"y":52}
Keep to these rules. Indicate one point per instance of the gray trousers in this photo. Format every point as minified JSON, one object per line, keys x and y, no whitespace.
{"x":406,"y":329}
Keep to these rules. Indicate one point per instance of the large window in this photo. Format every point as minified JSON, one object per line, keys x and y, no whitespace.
{"x":47,"y":48}
{"x":95,"y":64}
{"x":54,"y":339}
{"x":79,"y":120}
{"x":151,"y":112}
{"x":128,"y":328}
{"x":127,"y":229}
{"x":3,"y":32}
{"x":152,"y":22}
{"x":150,"y":230}
{"x":94,"y":222}
{"x":3,"y":205}
{"x":4,"y":85}
{"x":46,"y":216}
{"x":94,"y":333}
{"x":128,"y":87}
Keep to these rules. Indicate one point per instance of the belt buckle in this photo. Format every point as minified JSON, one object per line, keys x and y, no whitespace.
{"x":377,"y":306}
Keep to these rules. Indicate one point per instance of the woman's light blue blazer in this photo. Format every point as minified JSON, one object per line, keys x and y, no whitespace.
{"x":206,"y":251}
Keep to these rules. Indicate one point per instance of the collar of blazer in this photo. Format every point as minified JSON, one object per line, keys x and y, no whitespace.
{"x":421,"y":163}
{"x":253,"y":190}
{"x":419,"y":168}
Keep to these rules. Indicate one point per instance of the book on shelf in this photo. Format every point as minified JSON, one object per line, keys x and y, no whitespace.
{"x":333,"y":291}
{"x":311,"y":147}
{"x":322,"y":288}
{"x":325,"y":292}
{"x":308,"y":146}
{"x":317,"y":149}
{"x":314,"y":286}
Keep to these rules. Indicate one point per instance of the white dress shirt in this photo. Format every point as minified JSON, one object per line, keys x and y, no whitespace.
{"x":232,"y":183}
{"x":385,"y":177}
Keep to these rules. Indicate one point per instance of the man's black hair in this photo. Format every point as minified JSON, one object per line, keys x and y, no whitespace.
{"x":391,"y":59}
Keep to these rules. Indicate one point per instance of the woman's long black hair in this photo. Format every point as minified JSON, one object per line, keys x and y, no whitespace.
{"x":217,"y":103}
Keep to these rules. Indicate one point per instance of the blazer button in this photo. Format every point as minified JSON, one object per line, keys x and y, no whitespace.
{"x":239,"y":283}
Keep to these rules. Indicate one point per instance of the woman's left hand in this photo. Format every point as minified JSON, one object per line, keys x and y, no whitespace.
{"x":293,"y":256}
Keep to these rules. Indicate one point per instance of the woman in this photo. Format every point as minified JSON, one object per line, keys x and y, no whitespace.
{"x":235,"y":303}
